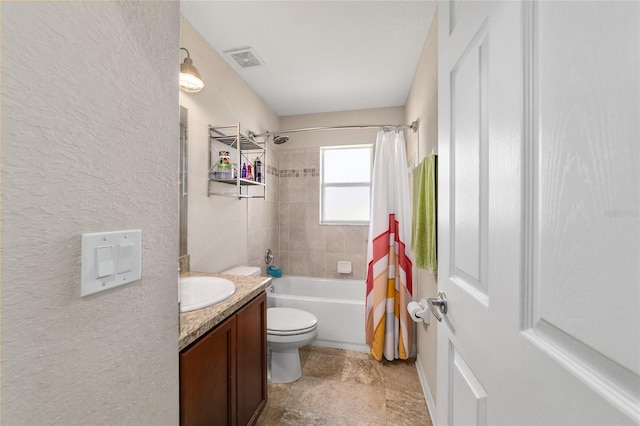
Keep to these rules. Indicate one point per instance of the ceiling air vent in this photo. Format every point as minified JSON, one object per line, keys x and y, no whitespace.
{"x":245,"y":57}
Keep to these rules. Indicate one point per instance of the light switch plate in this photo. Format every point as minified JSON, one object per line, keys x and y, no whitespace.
{"x":124,"y":255}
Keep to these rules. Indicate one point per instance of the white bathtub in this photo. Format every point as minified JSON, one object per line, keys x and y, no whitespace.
{"x":338,"y":304}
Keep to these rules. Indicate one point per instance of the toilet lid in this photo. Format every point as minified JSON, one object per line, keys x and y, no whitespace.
{"x":243,"y":270}
{"x":289,"y":319}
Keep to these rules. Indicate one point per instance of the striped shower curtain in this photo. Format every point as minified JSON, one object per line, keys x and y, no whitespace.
{"x":389,"y":329}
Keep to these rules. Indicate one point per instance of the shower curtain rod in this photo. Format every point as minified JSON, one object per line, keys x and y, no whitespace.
{"x":413,"y":126}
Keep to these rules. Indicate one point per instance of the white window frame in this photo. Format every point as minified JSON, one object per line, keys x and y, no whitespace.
{"x":324,"y":185}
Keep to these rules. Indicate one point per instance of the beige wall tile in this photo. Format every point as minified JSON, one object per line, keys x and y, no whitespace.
{"x":298,"y":239}
{"x":298,"y":159}
{"x":358,"y":265}
{"x":297,"y":263}
{"x":354,"y":240}
{"x":312,"y":213}
{"x":312,"y":189}
{"x":315,"y":263}
{"x":284,"y":238}
{"x":316,"y":236}
{"x":364,"y":230}
{"x":283,"y":213}
{"x":313,"y":158}
{"x":272,"y":209}
{"x":273,"y":242}
{"x":283,"y":262}
{"x":335,"y":239}
{"x":272,"y":187}
{"x":297,"y":214}
{"x":331,"y":264}
{"x":283,"y":189}
{"x":297,"y":189}
{"x":284,"y":158}
{"x":273,"y":157}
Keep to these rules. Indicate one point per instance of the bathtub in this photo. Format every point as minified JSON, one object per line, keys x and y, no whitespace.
{"x":338,"y":304}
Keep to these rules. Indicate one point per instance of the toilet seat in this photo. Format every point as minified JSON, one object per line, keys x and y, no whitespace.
{"x":290,"y":333}
{"x":290,"y":321}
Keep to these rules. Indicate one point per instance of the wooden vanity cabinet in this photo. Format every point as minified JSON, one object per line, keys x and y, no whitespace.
{"x":223,"y":375}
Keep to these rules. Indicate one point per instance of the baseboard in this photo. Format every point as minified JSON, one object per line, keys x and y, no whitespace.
{"x":431,"y":406}
{"x":341,"y":345}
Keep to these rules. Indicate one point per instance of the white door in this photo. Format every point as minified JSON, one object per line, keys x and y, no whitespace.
{"x":539,"y":220}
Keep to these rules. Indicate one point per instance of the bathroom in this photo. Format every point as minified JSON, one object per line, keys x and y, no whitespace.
{"x":287,"y":221}
{"x":109,"y":163}
{"x":89,"y":144}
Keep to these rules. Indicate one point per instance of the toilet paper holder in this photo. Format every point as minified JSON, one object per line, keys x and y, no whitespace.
{"x":418,"y":311}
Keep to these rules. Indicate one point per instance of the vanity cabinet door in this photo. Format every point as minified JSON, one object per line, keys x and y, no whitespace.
{"x":207,"y":378}
{"x":251,"y":353}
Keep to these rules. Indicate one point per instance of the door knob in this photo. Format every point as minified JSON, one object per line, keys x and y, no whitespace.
{"x":440,"y":302}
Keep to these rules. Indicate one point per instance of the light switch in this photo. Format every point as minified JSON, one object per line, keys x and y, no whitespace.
{"x":110,"y":259}
{"x":104,"y":261}
{"x":125,"y":258}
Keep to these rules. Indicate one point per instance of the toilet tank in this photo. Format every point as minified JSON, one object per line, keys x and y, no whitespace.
{"x":253,"y":271}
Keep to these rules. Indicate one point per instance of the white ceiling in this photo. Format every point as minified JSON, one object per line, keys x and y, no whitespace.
{"x":320,"y":56}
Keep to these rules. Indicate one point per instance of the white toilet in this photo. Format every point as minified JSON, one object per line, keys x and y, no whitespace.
{"x":287,"y":330}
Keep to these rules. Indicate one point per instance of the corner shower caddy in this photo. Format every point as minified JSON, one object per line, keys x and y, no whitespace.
{"x":244,"y":149}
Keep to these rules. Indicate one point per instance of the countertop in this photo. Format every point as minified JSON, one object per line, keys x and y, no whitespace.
{"x":196,"y":323}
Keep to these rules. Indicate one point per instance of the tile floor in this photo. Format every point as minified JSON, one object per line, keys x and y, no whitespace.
{"x":341,"y":387}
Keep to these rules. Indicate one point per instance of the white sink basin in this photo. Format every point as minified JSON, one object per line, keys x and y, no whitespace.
{"x":200,"y":292}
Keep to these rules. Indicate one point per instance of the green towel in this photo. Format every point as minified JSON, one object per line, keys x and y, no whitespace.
{"x":424,"y":223}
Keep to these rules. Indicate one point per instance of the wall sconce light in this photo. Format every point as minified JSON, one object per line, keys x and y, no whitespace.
{"x":190,"y":79}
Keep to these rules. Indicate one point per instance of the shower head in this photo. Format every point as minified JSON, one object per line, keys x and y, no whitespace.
{"x":279,"y":140}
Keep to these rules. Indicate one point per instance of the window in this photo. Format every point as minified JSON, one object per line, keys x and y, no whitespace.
{"x":345,"y":184}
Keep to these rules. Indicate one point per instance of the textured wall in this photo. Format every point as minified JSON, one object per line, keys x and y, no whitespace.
{"x":423,"y":105}
{"x":218,"y":225}
{"x":89,"y":143}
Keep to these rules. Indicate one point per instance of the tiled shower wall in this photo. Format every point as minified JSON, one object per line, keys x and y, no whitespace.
{"x":306,"y":247}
